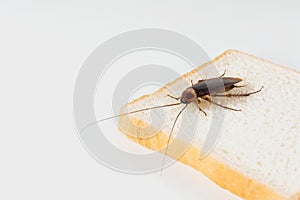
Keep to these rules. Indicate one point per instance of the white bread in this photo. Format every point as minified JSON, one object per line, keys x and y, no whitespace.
{"x":258,"y":154}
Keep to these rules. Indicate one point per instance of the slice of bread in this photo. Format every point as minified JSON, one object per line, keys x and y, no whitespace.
{"x":257,"y":156}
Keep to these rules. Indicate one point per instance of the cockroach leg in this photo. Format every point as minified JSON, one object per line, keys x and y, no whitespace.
{"x":223,"y":74}
{"x":239,"y":86}
{"x":198,"y":105}
{"x":192,"y":82}
{"x":176,"y":98}
{"x":255,"y":91}
{"x":237,"y":95}
{"x":217,"y":104}
{"x":230,"y":95}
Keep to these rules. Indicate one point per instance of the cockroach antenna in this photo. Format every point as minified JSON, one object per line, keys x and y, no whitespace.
{"x":128,"y":113}
{"x":169,"y":138}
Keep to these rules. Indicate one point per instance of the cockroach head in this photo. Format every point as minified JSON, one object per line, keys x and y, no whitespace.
{"x":189,"y":95}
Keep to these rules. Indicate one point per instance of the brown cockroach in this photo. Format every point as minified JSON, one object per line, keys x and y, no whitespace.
{"x":202,"y":90}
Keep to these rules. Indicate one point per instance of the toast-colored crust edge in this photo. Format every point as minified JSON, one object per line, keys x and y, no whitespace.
{"x":218,"y":172}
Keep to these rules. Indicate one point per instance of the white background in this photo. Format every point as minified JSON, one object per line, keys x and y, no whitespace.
{"x":42,"y":47}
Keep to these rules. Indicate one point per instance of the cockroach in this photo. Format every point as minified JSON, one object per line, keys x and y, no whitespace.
{"x":202,"y":90}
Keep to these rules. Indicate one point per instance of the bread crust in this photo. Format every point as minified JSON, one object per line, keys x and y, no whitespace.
{"x":214,"y":169}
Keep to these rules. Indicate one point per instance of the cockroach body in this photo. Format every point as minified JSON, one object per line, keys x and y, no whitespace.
{"x":201,"y":89}
{"x":214,"y":87}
